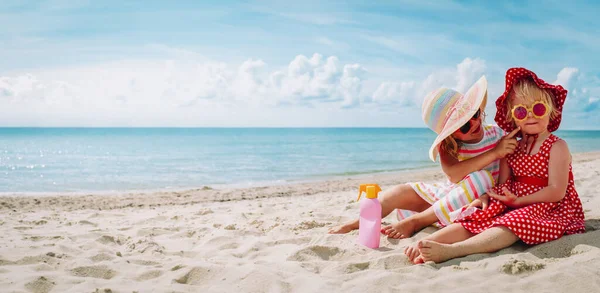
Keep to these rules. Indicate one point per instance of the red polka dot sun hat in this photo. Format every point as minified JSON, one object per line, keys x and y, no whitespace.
{"x":559,"y":95}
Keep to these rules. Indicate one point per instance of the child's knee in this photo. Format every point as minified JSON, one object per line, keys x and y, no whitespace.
{"x":397,"y":190}
{"x":403,"y":193}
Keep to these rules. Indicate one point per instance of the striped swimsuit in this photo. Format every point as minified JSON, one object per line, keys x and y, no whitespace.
{"x":448,"y":198}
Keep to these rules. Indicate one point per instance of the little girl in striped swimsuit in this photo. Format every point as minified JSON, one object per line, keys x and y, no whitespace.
{"x":469,"y":157}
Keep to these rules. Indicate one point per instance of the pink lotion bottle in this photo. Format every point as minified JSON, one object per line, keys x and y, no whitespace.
{"x":370,"y":216}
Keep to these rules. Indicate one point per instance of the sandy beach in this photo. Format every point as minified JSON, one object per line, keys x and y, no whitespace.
{"x":265,"y":239}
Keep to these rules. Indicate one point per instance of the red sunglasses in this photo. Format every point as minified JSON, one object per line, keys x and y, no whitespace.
{"x":539,"y":109}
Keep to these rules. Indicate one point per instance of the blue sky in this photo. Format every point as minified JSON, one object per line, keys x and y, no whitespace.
{"x":281,"y":63}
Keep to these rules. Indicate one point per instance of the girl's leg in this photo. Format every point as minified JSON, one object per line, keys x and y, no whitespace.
{"x":470,"y":188}
{"x":449,"y":234}
{"x":490,"y":240}
{"x":407,"y":227}
{"x":400,"y":197}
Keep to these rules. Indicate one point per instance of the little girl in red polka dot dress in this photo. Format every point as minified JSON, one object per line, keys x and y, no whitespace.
{"x":535,"y":200}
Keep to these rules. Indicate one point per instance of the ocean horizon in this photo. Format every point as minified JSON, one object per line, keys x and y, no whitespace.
{"x":120,"y":159}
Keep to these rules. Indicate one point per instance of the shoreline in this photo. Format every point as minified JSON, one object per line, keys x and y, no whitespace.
{"x":44,"y":177}
{"x":259,"y":184}
{"x":106,"y":200}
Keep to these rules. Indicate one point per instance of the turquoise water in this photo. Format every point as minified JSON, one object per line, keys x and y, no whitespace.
{"x":120,"y":159}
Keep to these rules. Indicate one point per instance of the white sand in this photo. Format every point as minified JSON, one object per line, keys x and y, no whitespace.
{"x":268,"y":239}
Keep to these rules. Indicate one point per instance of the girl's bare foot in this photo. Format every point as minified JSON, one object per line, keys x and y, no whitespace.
{"x":419,"y":260}
{"x":412,"y":252}
{"x":345,"y":228}
{"x":403,"y":229}
{"x":434,"y":251}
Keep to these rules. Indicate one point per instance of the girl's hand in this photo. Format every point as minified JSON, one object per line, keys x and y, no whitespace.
{"x":507,"y":144}
{"x":482,"y":202}
{"x":509,"y":199}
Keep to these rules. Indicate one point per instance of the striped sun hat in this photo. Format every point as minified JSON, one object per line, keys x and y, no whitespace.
{"x":446,"y":110}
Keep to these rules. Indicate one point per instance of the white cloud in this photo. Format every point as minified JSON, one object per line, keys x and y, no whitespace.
{"x":583,"y":99}
{"x":248,"y":82}
{"x":468,"y":72}
{"x":182,"y":82}
{"x":191,"y":91}
{"x":143,"y":88}
{"x":318,"y":79}
{"x":565,"y":76}
{"x":395,"y":92}
{"x":411,"y":93}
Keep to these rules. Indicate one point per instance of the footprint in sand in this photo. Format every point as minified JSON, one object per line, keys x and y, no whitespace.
{"x":43,"y":268}
{"x":40,"y":285}
{"x":142,"y":262}
{"x":356,"y":267}
{"x":43,"y":238}
{"x":315,"y":253}
{"x":110,"y":240}
{"x":198,"y":275}
{"x":40,"y":222}
{"x":515,"y":267}
{"x":391,"y":262}
{"x":30,"y":260}
{"x":146,"y":246}
{"x":229,"y":246}
{"x":307,"y":225}
{"x":98,"y":272}
{"x":102,"y":257}
{"x":312,"y":267}
{"x":84,"y":222}
{"x":149,"y":275}
{"x":4,"y":262}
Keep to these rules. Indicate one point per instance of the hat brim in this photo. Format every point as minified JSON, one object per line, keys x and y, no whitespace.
{"x":513,"y":75}
{"x":462,"y":112}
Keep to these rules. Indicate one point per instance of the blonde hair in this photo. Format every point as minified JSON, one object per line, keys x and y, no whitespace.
{"x":450,"y":145}
{"x":530,"y":92}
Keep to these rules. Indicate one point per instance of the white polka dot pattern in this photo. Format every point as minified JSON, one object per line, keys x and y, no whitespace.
{"x":536,"y":223}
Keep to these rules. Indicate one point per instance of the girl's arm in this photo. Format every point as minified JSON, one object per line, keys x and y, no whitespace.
{"x":456,"y":171}
{"x":558,"y":177}
{"x":505,"y":171}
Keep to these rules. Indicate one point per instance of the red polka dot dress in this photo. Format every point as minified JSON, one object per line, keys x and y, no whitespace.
{"x":536,"y":223}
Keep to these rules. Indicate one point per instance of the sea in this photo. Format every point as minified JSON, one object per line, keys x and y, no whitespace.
{"x":81,"y":160}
